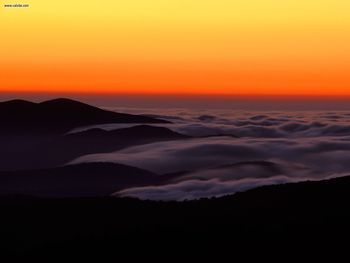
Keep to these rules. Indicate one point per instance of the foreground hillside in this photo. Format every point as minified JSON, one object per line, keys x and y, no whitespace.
{"x":305,"y":213}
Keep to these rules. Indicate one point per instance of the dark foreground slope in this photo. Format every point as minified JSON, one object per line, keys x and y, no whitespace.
{"x":274,"y":217}
{"x":86,"y":179}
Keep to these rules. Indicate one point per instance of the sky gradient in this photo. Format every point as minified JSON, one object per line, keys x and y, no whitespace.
{"x":241,"y":47}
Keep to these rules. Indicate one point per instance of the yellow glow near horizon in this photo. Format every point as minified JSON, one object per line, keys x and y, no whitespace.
{"x":185,"y":46}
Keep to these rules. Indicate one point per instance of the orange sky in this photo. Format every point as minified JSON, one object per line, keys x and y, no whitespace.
{"x":243,"y":47}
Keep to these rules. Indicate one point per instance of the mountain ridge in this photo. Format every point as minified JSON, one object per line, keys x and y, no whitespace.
{"x":58,"y":116}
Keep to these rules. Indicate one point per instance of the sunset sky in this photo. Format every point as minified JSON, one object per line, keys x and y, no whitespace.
{"x":237,"y":47}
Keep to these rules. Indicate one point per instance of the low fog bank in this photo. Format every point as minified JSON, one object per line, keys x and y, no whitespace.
{"x":238,"y":150}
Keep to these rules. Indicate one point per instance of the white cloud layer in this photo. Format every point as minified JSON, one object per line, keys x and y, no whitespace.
{"x":255,"y":148}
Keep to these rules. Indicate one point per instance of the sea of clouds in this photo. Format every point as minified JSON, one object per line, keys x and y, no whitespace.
{"x":234,"y":151}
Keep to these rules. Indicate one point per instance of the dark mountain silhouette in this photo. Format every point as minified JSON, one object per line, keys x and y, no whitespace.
{"x":81,"y":180}
{"x":35,"y":135}
{"x":290,"y":217}
{"x":71,"y":146}
{"x":58,"y":116}
{"x":63,"y":149}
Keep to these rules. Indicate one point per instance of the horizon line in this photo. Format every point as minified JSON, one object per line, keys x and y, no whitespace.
{"x":226,"y":96}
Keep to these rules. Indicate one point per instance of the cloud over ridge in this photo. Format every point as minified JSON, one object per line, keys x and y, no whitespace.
{"x":234,"y":151}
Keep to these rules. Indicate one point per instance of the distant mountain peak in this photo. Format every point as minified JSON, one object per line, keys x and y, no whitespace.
{"x":66,"y":103}
{"x":59,"y":115}
{"x":62,"y":101}
{"x":59,"y":100}
{"x":17,"y":103}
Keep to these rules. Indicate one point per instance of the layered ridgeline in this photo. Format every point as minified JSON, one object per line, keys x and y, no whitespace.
{"x":36,"y":135}
{"x":54,"y":203}
{"x":58,"y":116}
{"x":113,"y":179}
